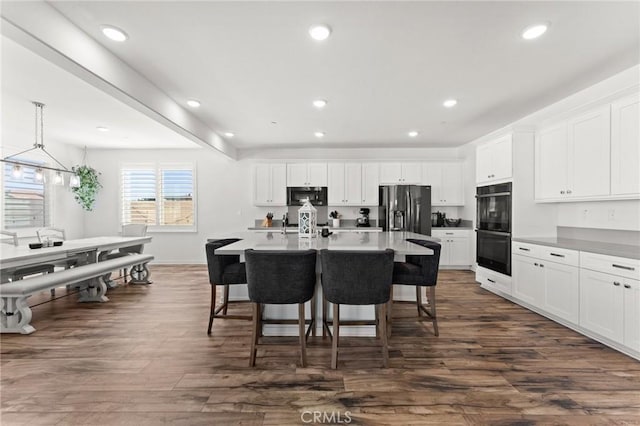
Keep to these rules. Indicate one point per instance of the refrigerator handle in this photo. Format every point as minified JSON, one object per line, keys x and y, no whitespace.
{"x":408,"y":225}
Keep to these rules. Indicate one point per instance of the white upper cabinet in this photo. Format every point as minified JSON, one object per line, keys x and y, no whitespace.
{"x":446,"y":181}
{"x":494,"y":160}
{"x":572,"y":158}
{"x":625,"y":146}
{"x":589,"y":151}
{"x":270,"y":185}
{"x":551,"y":153}
{"x":370,"y":184}
{"x":307,"y":174}
{"x":352,"y":184}
{"x":400,"y":173}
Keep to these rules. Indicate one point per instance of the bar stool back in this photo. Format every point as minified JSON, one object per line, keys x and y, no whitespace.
{"x":352,"y":277}
{"x":280,"y":277}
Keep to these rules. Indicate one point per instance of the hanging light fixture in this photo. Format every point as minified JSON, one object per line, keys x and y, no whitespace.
{"x":18,"y":166}
{"x":58,"y":179}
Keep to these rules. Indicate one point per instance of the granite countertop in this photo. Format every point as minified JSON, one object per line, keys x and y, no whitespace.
{"x":611,"y":249}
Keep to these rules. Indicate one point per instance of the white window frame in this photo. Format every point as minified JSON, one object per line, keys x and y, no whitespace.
{"x":159,"y":167}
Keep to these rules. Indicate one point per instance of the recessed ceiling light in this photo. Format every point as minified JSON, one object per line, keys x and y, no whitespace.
{"x":102,"y":129}
{"x":450,"y":103}
{"x":319,"y":103}
{"x":413,"y":134}
{"x":319,"y":32}
{"x":534,"y":31}
{"x":193,"y":103}
{"x":229,"y":134}
{"x":114,"y":33}
{"x":319,"y":134}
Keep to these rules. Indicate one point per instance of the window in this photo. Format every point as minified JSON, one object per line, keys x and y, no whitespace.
{"x":25,"y":199}
{"x":159,"y":195}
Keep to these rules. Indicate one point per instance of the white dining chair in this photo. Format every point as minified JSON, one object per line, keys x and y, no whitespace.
{"x":8,"y":237}
{"x":55,"y":234}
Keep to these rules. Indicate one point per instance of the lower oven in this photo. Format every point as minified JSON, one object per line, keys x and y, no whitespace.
{"x":493,"y":251}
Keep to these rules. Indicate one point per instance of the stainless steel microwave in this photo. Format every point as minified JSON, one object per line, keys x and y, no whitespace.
{"x":296,"y":195}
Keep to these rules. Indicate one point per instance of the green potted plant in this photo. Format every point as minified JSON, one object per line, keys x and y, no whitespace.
{"x":88,"y":186}
{"x":335,"y":216}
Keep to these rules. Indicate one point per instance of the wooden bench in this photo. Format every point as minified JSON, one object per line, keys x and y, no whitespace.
{"x":15,"y":312}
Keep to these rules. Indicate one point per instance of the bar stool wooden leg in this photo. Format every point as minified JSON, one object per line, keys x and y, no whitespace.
{"x":303,"y":337}
{"x":213,"y":308}
{"x":389,"y":312}
{"x":254,"y":334}
{"x":385,"y":344}
{"x":336,"y":334}
{"x":432,"y":304}
{"x":418,"y":300}
{"x":225,"y":300}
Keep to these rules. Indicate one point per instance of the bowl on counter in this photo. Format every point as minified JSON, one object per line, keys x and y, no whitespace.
{"x":453,"y":222}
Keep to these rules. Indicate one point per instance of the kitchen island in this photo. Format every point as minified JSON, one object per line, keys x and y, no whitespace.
{"x":396,"y":241}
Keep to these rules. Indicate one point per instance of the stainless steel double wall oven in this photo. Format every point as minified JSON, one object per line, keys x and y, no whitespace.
{"x":493,"y":242}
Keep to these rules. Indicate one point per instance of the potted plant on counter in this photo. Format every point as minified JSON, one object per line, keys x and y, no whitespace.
{"x":335,"y":218}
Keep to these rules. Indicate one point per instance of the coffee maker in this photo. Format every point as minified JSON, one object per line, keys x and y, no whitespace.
{"x":363,"y":220}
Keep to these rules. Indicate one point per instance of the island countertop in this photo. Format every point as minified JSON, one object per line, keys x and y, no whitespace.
{"x":396,"y":241}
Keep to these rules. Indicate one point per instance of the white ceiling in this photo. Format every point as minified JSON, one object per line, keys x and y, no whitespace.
{"x":73,"y":109}
{"x":386,"y":69}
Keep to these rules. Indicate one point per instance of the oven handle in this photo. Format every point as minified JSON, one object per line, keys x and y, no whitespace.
{"x":504,"y":234}
{"x":496,"y":194}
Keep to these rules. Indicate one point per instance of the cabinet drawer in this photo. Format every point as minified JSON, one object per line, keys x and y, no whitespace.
{"x":525,"y":249}
{"x":559,"y":255}
{"x":620,"y":266}
{"x":493,"y":281}
{"x":447,"y":233}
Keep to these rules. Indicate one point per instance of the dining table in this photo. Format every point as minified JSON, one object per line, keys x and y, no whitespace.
{"x":85,"y":250}
{"x":277,"y":240}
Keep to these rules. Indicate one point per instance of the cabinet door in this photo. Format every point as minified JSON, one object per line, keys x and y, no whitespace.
{"x":278,"y":184}
{"x":459,"y":251}
{"x":551,"y":158}
{"x":411,"y":173}
{"x":625,"y":146}
{"x":262,"y":185}
{"x":353,"y":184}
{"x":390,"y":173}
{"x":370,"y":184}
{"x":452,"y":185}
{"x":528,"y":280}
{"x":589,"y":151}
{"x":317,"y":174}
{"x":601,"y":304}
{"x":336,"y":184}
{"x":297,"y":174}
{"x":632,"y":314}
{"x":483,"y":163}
{"x":501,"y":158}
{"x":561,"y":291}
{"x":445,"y":252}
{"x":432,"y":176}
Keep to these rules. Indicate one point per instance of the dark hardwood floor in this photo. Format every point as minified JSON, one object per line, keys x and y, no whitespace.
{"x":144,"y":358}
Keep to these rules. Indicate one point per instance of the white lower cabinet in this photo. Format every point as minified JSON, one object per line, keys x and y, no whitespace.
{"x":599,"y":294}
{"x":455,"y":249}
{"x":550,"y":286}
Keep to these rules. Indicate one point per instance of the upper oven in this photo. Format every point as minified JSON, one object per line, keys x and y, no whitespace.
{"x":494,"y":208}
{"x":297,"y":195}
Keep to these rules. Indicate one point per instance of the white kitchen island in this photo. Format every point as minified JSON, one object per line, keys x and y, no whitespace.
{"x":396,"y":241}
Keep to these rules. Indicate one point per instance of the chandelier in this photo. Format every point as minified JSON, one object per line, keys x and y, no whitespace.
{"x":39,"y":176}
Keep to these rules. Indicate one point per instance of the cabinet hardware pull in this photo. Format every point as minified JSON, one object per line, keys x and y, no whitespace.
{"x":535,"y":264}
{"x":448,"y":233}
{"x":568,"y":191}
{"x":616,"y":283}
{"x":562,"y":192}
{"x":490,"y":280}
{"x":524,"y":249}
{"x":541,"y":265}
{"x":628,"y":268}
{"x":627,"y":286}
{"x":556,"y":254}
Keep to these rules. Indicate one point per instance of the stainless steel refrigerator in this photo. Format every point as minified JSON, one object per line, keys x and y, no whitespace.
{"x":405,"y":208}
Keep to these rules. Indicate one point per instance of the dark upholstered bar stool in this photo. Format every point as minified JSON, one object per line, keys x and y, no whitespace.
{"x":281,"y":277}
{"x":357,"y":278}
{"x":223,"y":270}
{"x":420,"y":271}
